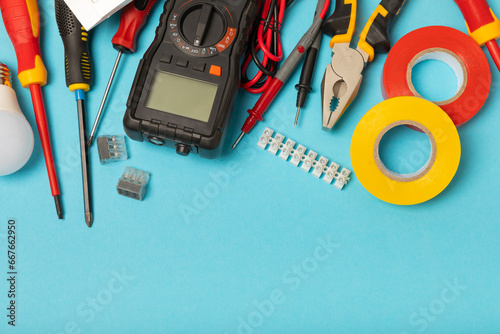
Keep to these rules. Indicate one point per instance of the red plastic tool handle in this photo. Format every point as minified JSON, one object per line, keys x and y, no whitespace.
{"x":21,"y":18}
{"x":132,"y":19}
{"x":476,"y":13}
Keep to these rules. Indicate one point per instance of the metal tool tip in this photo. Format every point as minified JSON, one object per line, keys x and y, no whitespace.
{"x":297,"y":117}
{"x":238,"y":140}
{"x":59,"y":210}
{"x":89,"y":218}
{"x":89,"y":141}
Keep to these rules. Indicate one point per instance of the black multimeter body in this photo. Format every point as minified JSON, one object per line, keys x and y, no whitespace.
{"x":186,"y":84}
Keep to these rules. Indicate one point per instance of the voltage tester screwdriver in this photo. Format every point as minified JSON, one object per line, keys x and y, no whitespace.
{"x":22,"y":22}
{"x":133,"y":17}
{"x":78,"y":79}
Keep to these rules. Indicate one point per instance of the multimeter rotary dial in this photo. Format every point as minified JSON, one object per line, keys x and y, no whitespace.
{"x":202,"y":29}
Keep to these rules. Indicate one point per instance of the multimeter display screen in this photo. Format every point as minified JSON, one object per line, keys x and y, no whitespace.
{"x":181,"y":96}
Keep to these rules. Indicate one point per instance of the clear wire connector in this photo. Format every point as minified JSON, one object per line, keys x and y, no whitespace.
{"x":111,"y":149}
{"x":133,"y":183}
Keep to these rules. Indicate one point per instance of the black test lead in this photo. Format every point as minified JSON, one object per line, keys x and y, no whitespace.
{"x":304,"y":85}
{"x":78,"y":80}
{"x":283,"y":74}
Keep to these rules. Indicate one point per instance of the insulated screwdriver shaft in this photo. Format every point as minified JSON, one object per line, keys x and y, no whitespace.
{"x":22,"y":22}
{"x":494,"y":50}
{"x":133,"y":17}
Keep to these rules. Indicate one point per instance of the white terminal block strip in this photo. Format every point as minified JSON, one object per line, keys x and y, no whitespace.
{"x":92,"y":12}
{"x":309,"y":159}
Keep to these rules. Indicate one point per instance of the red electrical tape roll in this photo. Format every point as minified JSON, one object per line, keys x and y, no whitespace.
{"x":453,"y":47}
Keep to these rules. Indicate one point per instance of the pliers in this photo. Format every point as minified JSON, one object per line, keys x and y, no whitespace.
{"x":343,"y":75}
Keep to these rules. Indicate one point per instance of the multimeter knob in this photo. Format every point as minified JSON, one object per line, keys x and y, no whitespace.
{"x":203,"y":25}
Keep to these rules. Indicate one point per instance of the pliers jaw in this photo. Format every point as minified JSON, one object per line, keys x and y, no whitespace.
{"x":343,"y":76}
{"x":341,"y":82}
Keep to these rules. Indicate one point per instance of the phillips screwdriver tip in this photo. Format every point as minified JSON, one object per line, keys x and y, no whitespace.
{"x":89,"y":218}
{"x":59,"y":210}
{"x":238,"y":140}
{"x":89,"y":141}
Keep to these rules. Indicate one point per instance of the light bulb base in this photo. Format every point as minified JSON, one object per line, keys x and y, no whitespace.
{"x":5,"y":75}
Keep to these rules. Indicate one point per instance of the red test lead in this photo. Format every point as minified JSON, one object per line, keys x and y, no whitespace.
{"x":285,"y":71}
{"x":482,"y":24}
{"x":266,"y":37}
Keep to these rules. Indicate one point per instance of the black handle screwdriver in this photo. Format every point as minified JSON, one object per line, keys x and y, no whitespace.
{"x":78,"y":80}
{"x":304,"y":85}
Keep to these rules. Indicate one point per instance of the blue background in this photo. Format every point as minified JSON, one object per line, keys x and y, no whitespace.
{"x":390,"y":269}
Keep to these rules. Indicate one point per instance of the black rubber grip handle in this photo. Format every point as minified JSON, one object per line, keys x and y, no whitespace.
{"x":338,"y":22}
{"x":378,"y":33}
{"x":76,"y":52}
{"x":304,"y":85}
{"x":308,"y":69}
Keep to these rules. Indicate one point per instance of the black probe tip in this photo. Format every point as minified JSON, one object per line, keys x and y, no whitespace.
{"x":59,"y":210}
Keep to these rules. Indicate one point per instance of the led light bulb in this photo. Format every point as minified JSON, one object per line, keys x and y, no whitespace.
{"x":16,"y":135}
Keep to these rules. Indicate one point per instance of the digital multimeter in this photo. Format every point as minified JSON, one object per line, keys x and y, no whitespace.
{"x":186,"y":84}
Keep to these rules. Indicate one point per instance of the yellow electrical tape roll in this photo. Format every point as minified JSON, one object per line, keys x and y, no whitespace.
{"x":432,"y":178}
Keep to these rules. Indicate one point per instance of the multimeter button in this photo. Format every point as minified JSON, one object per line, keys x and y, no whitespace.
{"x":181,"y":62}
{"x":199,"y":67}
{"x":166,"y":58}
{"x":216,"y":70}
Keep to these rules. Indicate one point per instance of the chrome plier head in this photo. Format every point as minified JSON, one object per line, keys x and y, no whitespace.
{"x":341,"y":82}
{"x":343,"y":76}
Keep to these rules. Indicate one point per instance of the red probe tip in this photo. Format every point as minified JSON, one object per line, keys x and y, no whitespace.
{"x":238,"y":140}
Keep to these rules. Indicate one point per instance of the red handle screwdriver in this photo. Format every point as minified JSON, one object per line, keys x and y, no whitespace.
{"x":22,"y":22}
{"x":133,"y":17}
{"x":483,"y":25}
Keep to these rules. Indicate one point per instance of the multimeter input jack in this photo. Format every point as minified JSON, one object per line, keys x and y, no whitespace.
{"x":183,"y":150}
{"x":156,"y":141}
